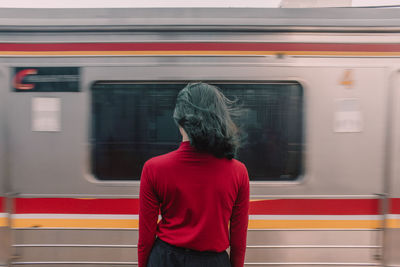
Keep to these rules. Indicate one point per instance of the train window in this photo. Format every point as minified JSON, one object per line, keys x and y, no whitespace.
{"x":132,"y":122}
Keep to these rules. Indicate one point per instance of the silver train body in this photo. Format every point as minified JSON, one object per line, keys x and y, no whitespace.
{"x":339,"y":206}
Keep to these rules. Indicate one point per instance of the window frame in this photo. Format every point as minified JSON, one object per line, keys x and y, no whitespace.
{"x":300,"y":179}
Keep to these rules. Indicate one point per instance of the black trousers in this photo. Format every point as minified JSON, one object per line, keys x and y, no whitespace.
{"x":166,"y":255}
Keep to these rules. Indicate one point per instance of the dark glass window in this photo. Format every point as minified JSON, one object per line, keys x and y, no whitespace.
{"x":132,"y":122}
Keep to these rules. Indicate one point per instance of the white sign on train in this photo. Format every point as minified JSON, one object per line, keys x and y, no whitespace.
{"x":347,"y":116}
{"x":46,"y":114}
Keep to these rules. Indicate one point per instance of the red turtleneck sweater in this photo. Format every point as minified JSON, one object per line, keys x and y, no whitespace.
{"x":199,"y":196}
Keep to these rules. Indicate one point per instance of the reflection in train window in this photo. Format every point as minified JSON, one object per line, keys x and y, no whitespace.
{"x":132,"y":122}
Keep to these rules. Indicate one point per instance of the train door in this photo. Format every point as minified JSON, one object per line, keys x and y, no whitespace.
{"x":392,"y":183}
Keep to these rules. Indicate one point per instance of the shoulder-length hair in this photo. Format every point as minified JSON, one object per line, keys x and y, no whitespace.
{"x":206,"y":115}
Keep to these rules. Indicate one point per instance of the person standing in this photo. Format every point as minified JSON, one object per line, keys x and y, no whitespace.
{"x":201,"y":191}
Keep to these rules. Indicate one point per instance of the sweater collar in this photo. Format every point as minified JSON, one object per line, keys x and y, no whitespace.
{"x":186,"y":146}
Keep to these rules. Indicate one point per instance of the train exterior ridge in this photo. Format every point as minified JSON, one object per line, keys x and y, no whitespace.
{"x":342,"y":208}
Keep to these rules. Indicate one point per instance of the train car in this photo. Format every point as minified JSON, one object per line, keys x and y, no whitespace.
{"x":86,"y":97}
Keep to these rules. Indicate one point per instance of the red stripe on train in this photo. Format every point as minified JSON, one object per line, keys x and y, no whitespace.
{"x":2,"y":203}
{"x":315,"y":207}
{"x":262,"y":207}
{"x":76,"y":206}
{"x":395,"y":205}
{"x":200,"y":46}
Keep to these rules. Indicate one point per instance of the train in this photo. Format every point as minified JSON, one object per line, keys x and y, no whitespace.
{"x":87,"y":95}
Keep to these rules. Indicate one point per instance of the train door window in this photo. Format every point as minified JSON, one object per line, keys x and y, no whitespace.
{"x":132,"y":122}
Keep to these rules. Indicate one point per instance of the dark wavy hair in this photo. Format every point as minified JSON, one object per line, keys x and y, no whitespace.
{"x":207,"y":116}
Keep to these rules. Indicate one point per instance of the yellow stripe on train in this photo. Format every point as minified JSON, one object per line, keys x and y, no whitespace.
{"x":3,"y":222}
{"x":253,"y":224}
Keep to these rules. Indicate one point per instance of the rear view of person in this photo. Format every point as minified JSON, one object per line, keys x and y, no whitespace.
{"x":200,"y":189}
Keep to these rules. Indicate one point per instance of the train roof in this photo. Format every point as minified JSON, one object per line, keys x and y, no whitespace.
{"x":170,"y":19}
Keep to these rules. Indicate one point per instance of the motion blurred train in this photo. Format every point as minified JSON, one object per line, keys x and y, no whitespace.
{"x":86,"y":97}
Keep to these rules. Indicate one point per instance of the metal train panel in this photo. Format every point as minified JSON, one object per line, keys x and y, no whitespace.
{"x":60,"y":180}
{"x":4,"y":186}
{"x":60,"y":165}
{"x":392,"y":181}
{"x":3,"y":143}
